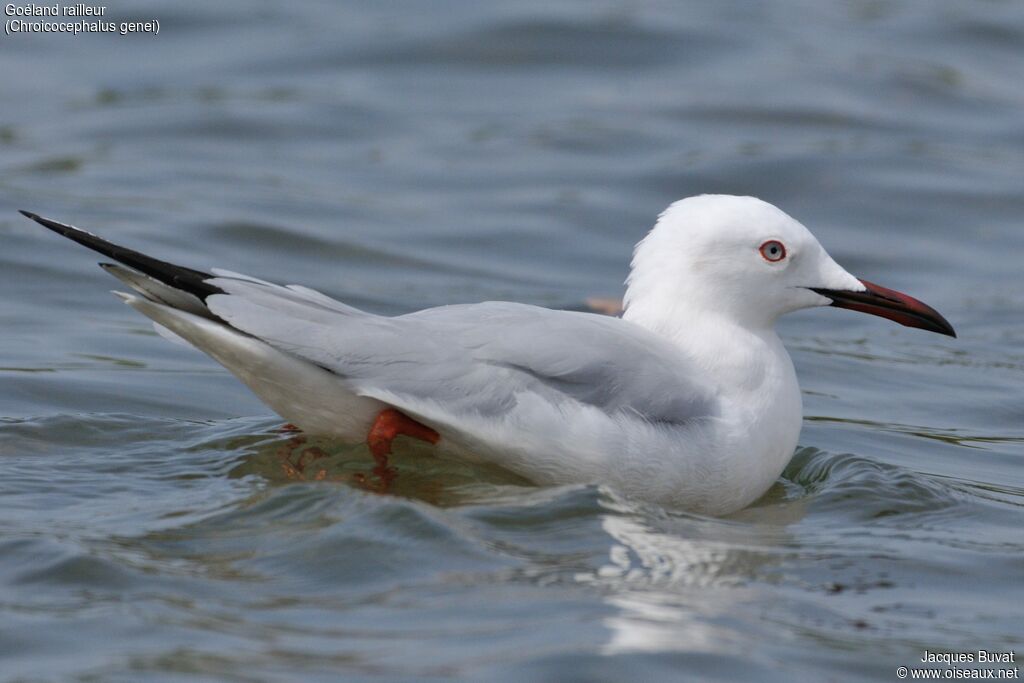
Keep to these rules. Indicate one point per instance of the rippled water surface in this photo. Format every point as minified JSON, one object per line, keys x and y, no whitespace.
{"x":402,"y":155}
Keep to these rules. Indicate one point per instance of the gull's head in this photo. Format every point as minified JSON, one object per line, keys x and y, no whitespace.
{"x":744,"y":260}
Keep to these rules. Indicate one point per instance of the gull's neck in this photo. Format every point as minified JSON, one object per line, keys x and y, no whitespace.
{"x":736,"y":358}
{"x":760,"y":409}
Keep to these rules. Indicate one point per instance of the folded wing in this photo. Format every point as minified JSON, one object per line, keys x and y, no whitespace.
{"x":440,"y":363}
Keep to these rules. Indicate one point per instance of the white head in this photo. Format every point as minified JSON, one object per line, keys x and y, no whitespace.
{"x":744,"y":260}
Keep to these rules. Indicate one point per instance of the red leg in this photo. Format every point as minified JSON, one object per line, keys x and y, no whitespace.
{"x":391,"y":423}
{"x":285,"y":452}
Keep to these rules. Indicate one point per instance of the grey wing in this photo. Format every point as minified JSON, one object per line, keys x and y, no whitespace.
{"x":480,"y":359}
{"x":476,"y":359}
{"x":596,"y":360}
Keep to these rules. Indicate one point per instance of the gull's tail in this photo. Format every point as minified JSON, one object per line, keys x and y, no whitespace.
{"x":175,"y":299}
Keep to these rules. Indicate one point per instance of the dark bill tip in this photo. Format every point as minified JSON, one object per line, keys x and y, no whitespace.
{"x":888,"y":303}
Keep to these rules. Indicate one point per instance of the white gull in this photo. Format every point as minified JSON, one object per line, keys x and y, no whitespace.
{"x":689,"y":399}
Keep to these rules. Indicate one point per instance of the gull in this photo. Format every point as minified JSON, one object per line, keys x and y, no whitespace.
{"x":688,"y":400}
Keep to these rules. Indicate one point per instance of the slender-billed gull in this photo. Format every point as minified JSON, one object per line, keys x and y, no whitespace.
{"x":689,"y":399}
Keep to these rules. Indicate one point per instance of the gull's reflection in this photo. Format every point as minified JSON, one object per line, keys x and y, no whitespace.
{"x":675,"y":582}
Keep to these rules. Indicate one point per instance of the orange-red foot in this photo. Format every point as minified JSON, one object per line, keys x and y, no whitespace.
{"x":287,"y":427}
{"x":388,"y":425}
{"x":295,"y":467}
{"x":285,"y":453}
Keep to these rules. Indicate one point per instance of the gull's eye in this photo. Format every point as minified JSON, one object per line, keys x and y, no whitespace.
{"x":773,"y":250}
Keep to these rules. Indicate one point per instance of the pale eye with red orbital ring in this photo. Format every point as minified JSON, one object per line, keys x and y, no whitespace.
{"x":773,"y":251}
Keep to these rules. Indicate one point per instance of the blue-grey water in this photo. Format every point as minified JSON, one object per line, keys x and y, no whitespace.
{"x":403,"y":155}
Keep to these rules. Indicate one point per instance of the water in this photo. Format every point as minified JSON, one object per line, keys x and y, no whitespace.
{"x":404,"y":155}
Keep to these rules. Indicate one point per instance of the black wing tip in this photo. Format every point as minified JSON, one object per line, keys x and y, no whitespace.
{"x":56,"y":226}
{"x":178,"y":277}
{"x":39,"y":219}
